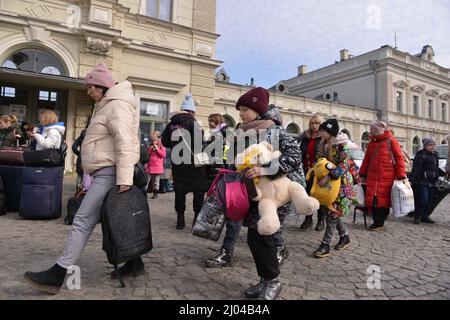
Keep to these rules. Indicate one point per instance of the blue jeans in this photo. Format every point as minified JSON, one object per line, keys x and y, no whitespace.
{"x":231,"y":234}
{"x":425,"y":198}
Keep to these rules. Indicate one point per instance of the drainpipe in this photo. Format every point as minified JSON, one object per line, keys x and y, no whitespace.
{"x":373,"y":66}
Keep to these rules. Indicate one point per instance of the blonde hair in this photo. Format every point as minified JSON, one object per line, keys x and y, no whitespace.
{"x":314,"y":118}
{"x":13,"y":119}
{"x":5,"y":118}
{"x":48,"y":117}
{"x":215,"y":118}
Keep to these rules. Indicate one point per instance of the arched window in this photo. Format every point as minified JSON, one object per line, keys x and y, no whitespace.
{"x":365,"y":139}
{"x":416,"y":145}
{"x":229,"y":121}
{"x":35,"y":60}
{"x":347,"y":133}
{"x":293,"y":130}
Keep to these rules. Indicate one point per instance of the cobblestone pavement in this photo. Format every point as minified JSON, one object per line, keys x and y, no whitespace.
{"x":414,"y":261}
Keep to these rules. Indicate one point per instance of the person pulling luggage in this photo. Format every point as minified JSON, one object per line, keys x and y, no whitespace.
{"x":109,"y":152}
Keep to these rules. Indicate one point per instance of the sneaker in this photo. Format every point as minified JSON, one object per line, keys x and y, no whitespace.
{"x":273,"y":288}
{"x":155,"y":195}
{"x":323,"y":251}
{"x":49,"y":281}
{"x":132,"y":268}
{"x":282,"y":254}
{"x":343,"y":243}
{"x":223,"y":259}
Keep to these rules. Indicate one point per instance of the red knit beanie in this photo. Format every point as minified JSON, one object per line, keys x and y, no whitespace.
{"x":100,"y":76}
{"x":256,"y":99}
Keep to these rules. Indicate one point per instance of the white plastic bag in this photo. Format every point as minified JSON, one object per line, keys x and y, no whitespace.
{"x":360,"y":197}
{"x":402,"y":198}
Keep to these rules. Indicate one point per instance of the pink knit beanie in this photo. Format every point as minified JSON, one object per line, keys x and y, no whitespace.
{"x":100,"y":76}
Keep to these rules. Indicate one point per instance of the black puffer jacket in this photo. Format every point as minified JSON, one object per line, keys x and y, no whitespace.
{"x":290,"y":163}
{"x":425,"y":168}
{"x":186,"y":177}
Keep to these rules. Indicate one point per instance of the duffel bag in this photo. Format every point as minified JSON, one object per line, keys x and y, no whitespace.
{"x":43,"y":158}
{"x":12,"y":156}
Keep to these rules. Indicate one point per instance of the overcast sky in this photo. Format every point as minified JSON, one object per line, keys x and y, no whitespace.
{"x":269,"y":39}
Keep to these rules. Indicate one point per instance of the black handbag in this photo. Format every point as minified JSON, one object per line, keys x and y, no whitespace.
{"x":140,"y":178}
{"x":43,"y":158}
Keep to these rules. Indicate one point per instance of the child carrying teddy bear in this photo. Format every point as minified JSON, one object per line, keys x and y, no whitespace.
{"x":337,"y":150}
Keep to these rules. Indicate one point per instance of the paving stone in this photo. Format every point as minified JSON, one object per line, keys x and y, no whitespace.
{"x":409,"y":257}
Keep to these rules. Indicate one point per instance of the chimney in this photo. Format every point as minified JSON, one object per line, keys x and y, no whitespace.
{"x":303,"y":69}
{"x":345,"y":55}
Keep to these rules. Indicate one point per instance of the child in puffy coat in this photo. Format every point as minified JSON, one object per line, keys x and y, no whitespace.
{"x":155,"y":166}
{"x":425,"y":173}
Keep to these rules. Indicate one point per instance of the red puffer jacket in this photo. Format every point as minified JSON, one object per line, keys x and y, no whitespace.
{"x":379,"y":170}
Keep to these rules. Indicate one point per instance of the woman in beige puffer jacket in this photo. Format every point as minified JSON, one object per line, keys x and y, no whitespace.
{"x":109,"y":152}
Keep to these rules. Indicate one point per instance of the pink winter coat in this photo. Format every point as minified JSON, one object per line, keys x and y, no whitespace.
{"x":156,"y":162}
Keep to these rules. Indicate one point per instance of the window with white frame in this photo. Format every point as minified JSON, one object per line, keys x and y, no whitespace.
{"x":430,"y":108}
{"x":416,"y":105}
{"x":399,"y":99}
{"x":8,"y":92}
{"x":159,"y":9}
{"x":154,"y":115}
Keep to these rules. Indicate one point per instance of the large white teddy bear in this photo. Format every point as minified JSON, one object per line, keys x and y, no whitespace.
{"x":273,"y":194}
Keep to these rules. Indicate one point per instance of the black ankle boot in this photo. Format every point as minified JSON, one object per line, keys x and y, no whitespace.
{"x":223,"y":259}
{"x":180,"y":221}
{"x":131,"y":268}
{"x":416,"y":218}
{"x":255,"y":292}
{"x":320,"y":225}
{"x":323,"y":251}
{"x":426,"y":220}
{"x":49,"y":281}
{"x":307,"y":224}
{"x":155,"y":195}
{"x":343,"y":243}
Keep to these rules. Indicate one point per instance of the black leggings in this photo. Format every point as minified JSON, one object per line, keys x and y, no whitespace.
{"x":180,"y":201}
{"x":264,"y":251}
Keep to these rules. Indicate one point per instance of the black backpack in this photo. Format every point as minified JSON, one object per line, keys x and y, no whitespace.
{"x":126,"y":226}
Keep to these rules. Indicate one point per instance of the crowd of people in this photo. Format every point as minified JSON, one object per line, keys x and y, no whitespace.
{"x":110,"y":149}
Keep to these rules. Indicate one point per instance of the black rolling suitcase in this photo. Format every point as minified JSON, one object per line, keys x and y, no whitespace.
{"x":3,"y":209}
{"x":12,"y":184}
{"x":441,"y":191}
{"x":41,"y":193}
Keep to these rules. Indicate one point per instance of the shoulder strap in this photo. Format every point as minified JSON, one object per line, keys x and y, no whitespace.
{"x":390,"y":150}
